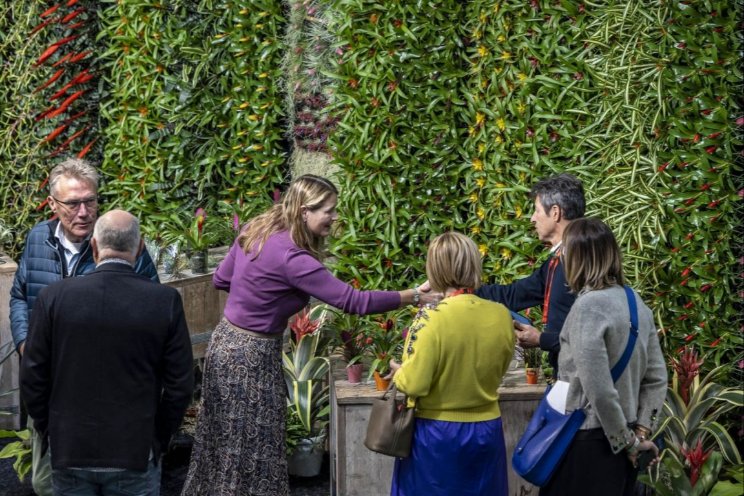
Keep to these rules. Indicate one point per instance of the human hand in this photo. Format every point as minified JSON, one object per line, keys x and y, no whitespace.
{"x":527,"y":336}
{"x":394,"y":366}
{"x":646,"y":455}
{"x":430,"y":297}
{"x":425,"y":287}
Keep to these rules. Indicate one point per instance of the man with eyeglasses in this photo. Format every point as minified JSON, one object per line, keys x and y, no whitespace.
{"x":57,"y":249}
{"x":558,"y":200}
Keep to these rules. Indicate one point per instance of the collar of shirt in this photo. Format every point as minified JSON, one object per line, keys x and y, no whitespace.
{"x":114,"y":260}
{"x":555,"y":248}
{"x":70,"y":249}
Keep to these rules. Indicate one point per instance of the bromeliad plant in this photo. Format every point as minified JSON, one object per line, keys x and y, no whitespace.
{"x":385,"y":341}
{"x":305,"y":371}
{"x":696,"y":444}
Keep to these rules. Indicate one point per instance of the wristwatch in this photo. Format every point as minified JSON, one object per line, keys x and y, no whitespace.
{"x":416,"y":297}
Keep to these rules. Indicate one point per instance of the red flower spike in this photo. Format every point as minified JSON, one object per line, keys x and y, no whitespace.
{"x":201,"y":216}
{"x":50,"y":11}
{"x":687,"y":367}
{"x":302,"y":324}
{"x":705,"y":287}
{"x":715,"y":343}
{"x":695,"y":458}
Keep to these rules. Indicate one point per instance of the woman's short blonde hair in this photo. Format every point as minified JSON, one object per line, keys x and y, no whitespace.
{"x":307,"y":191}
{"x":591,"y":256}
{"x":453,"y":261}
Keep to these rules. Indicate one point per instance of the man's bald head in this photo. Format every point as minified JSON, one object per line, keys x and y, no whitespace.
{"x":117,"y":235}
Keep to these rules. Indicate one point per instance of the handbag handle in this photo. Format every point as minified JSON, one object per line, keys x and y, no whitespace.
{"x":619,"y":367}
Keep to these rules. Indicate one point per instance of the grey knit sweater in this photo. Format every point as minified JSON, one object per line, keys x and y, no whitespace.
{"x":593,"y":338}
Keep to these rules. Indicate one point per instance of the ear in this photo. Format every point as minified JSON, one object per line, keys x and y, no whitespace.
{"x":52,"y":204}
{"x":556,"y":213}
{"x":303,"y":213}
{"x":94,"y":248}
{"x":141,"y":248}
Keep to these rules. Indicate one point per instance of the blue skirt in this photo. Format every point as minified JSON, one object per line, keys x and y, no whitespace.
{"x":448,"y":458}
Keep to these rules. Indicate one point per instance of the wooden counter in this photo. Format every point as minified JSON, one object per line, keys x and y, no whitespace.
{"x":357,"y":471}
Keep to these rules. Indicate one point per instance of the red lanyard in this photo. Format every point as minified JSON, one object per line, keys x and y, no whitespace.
{"x":549,"y":285}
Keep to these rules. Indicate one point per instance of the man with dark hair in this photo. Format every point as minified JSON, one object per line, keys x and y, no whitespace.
{"x":558,"y":200}
{"x":107,"y":370}
{"x":54,"y":250}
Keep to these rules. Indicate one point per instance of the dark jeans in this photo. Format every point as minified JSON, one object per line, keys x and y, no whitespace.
{"x":76,"y":482}
{"x":591,"y":469}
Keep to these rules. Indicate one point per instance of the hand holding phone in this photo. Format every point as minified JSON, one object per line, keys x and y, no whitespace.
{"x":520,"y":318}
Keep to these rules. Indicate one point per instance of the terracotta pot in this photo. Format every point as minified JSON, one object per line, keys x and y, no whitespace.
{"x":531,"y":376}
{"x":380,"y":383}
{"x":354,"y":372}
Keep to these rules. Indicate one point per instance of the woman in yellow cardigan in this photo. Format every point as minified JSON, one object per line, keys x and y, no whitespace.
{"x":453,"y":361}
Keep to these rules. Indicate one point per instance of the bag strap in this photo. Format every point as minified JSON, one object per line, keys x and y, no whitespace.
{"x":619,"y":367}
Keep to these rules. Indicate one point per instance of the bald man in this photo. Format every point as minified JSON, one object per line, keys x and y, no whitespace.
{"x":107,"y":370}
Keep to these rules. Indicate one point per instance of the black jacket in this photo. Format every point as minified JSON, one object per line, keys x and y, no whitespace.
{"x":530,"y":292}
{"x":107,"y":370}
{"x":43,"y":263}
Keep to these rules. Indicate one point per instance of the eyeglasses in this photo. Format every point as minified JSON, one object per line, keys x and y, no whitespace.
{"x":74,"y":205}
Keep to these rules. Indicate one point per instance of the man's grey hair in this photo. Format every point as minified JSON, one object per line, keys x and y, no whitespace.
{"x":109,"y":237}
{"x":75,"y":168}
{"x":564,"y":190}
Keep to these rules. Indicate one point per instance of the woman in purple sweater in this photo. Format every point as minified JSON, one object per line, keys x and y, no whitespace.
{"x":271,"y":271}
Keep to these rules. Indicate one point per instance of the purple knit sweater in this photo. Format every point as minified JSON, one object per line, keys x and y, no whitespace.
{"x":264,"y":293}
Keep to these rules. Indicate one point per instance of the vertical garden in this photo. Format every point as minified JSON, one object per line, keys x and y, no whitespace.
{"x":435,"y":115}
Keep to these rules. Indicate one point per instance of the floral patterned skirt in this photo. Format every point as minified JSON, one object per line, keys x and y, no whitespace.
{"x":239,"y":444}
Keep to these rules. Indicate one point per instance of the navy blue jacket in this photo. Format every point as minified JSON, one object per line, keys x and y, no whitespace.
{"x":530,"y":292}
{"x":43,"y":263}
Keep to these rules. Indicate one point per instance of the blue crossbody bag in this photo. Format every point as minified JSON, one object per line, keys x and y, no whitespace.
{"x":550,"y":432}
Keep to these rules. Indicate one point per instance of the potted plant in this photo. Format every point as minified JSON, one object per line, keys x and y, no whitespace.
{"x":21,"y":448}
{"x":198,"y":233}
{"x":532,"y":358}
{"x":384,"y":342}
{"x":696,"y":444}
{"x":308,"y":404}
{"x":353,"y":343}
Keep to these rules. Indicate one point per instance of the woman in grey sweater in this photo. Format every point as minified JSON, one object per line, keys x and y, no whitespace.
{"x":602,"y":459}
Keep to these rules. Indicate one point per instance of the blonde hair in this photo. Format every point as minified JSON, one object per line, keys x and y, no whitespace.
{"x":74,"y":168}
{"x":591,"y":256}
{"x":307,"y":191}
{"x":453,"y":261}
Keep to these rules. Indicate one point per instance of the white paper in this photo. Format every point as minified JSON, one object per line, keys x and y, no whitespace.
{"x":558,"y":395}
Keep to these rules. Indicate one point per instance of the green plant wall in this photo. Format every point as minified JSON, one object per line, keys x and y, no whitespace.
{"x":48,"y":102}
{"x":451,"y":112}
{"x":447,"y":113}
{"x":399,"y":140}
{"x":194,"y":114}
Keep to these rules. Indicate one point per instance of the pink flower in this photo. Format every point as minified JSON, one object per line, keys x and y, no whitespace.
{"x":236,"y":222}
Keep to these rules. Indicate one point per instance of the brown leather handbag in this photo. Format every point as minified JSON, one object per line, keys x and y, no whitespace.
{"x":390,"y":427}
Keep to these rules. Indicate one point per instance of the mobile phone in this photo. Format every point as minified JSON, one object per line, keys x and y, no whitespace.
{"x":644,"y":459}
{"x":520,"y":318}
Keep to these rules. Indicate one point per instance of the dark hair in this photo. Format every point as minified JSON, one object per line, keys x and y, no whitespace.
{"x":591,"y":256}
{"x":564,"y":190}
